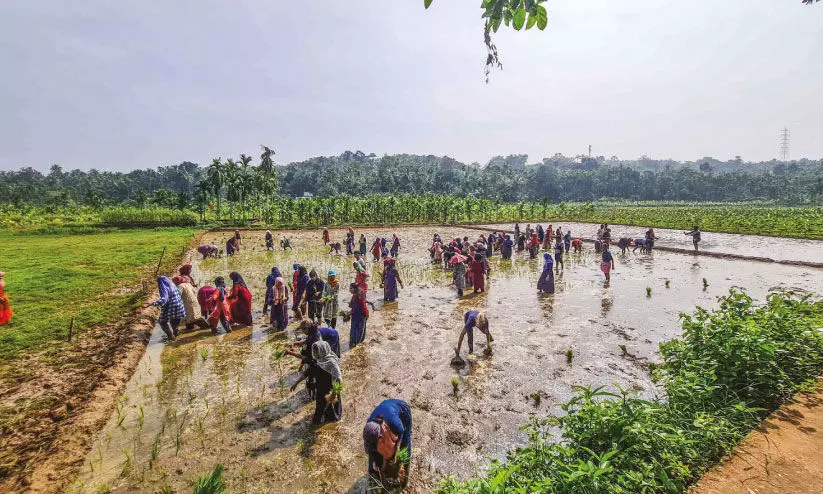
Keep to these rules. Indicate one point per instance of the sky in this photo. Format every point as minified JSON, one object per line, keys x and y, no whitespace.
{"x":140,"y":84}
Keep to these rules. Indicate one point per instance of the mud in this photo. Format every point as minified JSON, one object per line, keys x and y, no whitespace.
{"x":782,"y":455}
{"x":204,"y":400}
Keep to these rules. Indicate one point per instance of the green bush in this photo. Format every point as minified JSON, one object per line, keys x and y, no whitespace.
{"x":129,"y":217}
{"x":731,"y":368}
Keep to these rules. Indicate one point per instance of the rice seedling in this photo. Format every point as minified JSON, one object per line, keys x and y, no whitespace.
{"x":668,"y":283}
{"x":648,"y":291}
{"x":212,"y":483}
{"x":536,"y":397}
{"x":403,"y":456}
{"x":121,"y":413}
{"x":623,"y":350}
{"x":102,"y":489}
{"x":155,"y":450}
{"x":569,"y":356}
{"x":204,"y":354}
{"x":455,"y":385}
{"x":128,"y":464}
{"x":705,"y":283}
{"x":141,"y":417}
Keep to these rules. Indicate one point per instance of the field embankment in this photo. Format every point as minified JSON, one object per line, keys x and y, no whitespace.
{"x":781,"y":456}
{"x":55,"y":392}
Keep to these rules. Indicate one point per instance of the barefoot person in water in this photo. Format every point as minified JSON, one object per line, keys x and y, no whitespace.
{"x":472,"y":319}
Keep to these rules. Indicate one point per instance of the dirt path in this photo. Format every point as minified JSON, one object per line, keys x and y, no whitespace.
{"x":784,"y":455}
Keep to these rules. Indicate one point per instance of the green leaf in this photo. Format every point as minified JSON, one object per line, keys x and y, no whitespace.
{"x":427,"y":3}
{"x":519,"y":18}
{"x":542,"y":17}
{"x":531,"y":21}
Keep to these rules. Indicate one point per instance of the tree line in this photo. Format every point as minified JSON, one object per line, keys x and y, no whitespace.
{"x":244,"y":187}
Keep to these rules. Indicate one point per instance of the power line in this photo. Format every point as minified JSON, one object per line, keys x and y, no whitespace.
{"x":784,"y":144}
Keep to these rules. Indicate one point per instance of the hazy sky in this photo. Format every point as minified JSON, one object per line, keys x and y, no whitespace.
{"x":137,"y":84}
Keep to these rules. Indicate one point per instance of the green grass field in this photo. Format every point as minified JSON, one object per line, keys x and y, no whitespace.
{"x":51,"y":278}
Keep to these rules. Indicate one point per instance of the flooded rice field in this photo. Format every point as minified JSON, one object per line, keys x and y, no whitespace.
{"x":779,"y":249}
{"x":205,"y":400}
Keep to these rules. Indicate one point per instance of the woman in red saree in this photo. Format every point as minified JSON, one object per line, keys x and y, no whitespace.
{"x":5,"y":307}
{"x":240,"y":301}
{"x":218,"y":305}
{"x":478,"y":270}
{"x":185,"y":273}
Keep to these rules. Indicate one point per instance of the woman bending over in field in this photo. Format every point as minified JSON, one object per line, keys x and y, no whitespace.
{"x":189,"y":296}
{"x":325,"y":371}
{"x":240,"y":301}
{"x":474,"y":319}
{"x":172,"y":308}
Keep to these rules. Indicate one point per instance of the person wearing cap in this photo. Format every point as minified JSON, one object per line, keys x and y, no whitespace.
{"x":387,"y":432}
{"x":331,"y":304}
{"x":474,"y":319}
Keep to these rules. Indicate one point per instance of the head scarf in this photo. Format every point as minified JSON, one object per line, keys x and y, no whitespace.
{"x":276,"y":273}
{"x":220,"y":282}
{"x":295,"y":266}
{"x":371,"y":434}
{"x":547,"y":265}
{"x":185,"y":270}
{"x":457,"y":259}
{"x":313,"y":274}
{"x":326,"y":359}
{"x":178,"y":280}
{"x":164,"y":287}
{"x":237,"y":279}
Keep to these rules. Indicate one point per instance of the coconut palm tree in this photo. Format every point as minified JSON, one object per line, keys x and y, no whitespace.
{"x":216,"y":177}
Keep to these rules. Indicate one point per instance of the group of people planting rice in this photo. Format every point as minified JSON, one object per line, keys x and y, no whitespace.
{"x":313,"y":302}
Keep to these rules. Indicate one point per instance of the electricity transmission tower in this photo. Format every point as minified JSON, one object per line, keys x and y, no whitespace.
{"x":784,"y":145}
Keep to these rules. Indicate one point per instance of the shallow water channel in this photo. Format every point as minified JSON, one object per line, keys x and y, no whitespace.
{"x":204,"y":400}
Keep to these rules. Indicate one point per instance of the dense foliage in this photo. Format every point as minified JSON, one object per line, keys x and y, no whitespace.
{"x":133,"y":217}
{"x":731,"y":368}
{"x":802,"y":222}
{"x":239,"y":184}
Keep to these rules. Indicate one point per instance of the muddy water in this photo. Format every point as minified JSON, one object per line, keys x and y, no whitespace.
{"x":726,"y":243}
{"x":205,"y":399}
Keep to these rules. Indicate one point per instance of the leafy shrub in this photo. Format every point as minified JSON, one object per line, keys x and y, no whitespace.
{"x":128,"y":217}
{"x":731,"y":368}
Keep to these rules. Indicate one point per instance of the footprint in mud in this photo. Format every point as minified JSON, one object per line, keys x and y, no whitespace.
{"x":462,"y":436}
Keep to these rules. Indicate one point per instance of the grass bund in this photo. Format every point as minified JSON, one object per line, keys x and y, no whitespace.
{"x":731,"y":368}
{"x":51,"y":278}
